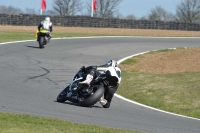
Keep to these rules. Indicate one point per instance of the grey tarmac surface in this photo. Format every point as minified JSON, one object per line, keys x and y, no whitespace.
{"x":31,"y":78}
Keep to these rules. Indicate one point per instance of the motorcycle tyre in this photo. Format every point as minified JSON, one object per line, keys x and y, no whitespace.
{"x":62,"y":97}
{"x":93,"y":98}
{"x":41,"y":42}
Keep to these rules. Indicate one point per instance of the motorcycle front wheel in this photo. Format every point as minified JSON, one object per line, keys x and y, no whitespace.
{"x":62,"y":97}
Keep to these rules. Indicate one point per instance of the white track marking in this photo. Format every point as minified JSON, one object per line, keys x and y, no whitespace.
{"x":96,"y":37}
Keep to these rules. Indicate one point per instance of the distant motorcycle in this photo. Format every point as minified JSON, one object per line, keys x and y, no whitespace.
{"x":85,"y":95}
{"x":43,"y":38}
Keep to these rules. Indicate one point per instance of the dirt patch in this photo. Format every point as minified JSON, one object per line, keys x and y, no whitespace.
{"x":106,"y":31}
{"x":176,"y":61}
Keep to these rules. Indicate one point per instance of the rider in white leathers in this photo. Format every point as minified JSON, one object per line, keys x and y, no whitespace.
{"x":46,"y":24}
{"x":113,"y":78}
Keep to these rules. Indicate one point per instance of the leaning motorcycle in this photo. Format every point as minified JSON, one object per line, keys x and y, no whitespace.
{"x":43,"y":38}
{"x":85,"y":95}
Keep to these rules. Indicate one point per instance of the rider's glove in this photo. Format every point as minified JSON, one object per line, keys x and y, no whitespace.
{"x":108,"y":74}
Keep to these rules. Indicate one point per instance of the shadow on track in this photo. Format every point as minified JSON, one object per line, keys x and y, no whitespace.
{"x":77,"y":104}
{"x":32,"y":46}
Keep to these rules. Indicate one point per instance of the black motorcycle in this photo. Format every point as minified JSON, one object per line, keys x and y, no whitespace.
{"x":43,"y":38}
{"x":85,"y":95}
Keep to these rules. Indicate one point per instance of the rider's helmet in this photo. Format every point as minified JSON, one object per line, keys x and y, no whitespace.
{"x":47,"y":19}
{"x":111,"y":63}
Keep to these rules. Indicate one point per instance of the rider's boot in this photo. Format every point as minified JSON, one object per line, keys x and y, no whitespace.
{"x":88,"y":79}
{"x":47,"y":40}
{"x":49,"y":37}
{"x":102,"y":101}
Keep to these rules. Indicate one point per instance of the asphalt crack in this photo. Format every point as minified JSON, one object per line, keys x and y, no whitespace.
{"x":34,"y":77}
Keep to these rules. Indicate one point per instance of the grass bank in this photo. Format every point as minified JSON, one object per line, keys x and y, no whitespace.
{"x":173,"y":86}
{"x":13,"y":33}
{"x":15,"y":123}
{"x":18,"y":36}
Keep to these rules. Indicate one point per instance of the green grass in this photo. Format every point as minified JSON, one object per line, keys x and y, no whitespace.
{"x":162,"y":50}
{"x":129,"y":62}
{"x":178,"y":93}
{"x":15,"y":123}
{"x":18,"y":36}
{"x":15,"y":36}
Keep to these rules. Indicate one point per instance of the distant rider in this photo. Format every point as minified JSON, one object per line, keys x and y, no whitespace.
{"x":109,"y":73}
{"x":46,"y":24}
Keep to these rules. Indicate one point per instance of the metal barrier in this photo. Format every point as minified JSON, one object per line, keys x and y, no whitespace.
{"x":86,"y":21}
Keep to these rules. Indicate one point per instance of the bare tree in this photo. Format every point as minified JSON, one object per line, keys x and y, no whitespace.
{"x":159,"y":13}
{"x":67,"y":7}
{"x":3,"y":9}
{"x":119,"y":15}
{"x":188,"y":11}
{"x":105,"y":8}
{"x":130,"y":17}
{"x":143,"y":18}
{"x":49,"y":12}
{"x":10,"y":10}
{"x":30,"y":11}
{"x":108,"y":8}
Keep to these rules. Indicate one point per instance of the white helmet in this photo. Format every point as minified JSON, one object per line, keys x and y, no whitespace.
{"x":111,"y":63}
{"x":47,"y":19}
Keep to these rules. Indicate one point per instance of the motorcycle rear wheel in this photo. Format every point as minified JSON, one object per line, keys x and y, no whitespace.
{"x":93,"y":98}
{"x":41,"y":42}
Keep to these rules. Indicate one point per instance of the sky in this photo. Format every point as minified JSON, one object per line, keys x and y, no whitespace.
{"x":138,"y":8}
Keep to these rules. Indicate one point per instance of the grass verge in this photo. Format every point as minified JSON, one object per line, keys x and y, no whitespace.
{"x":174,"y":92}
{"x":18,"y":36}
{"x":15,"y":123}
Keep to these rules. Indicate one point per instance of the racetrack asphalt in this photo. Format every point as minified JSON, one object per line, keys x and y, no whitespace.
{"x":31,"y":78}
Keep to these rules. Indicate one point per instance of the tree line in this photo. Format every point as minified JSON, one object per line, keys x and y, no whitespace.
{"x":186,"y":10}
